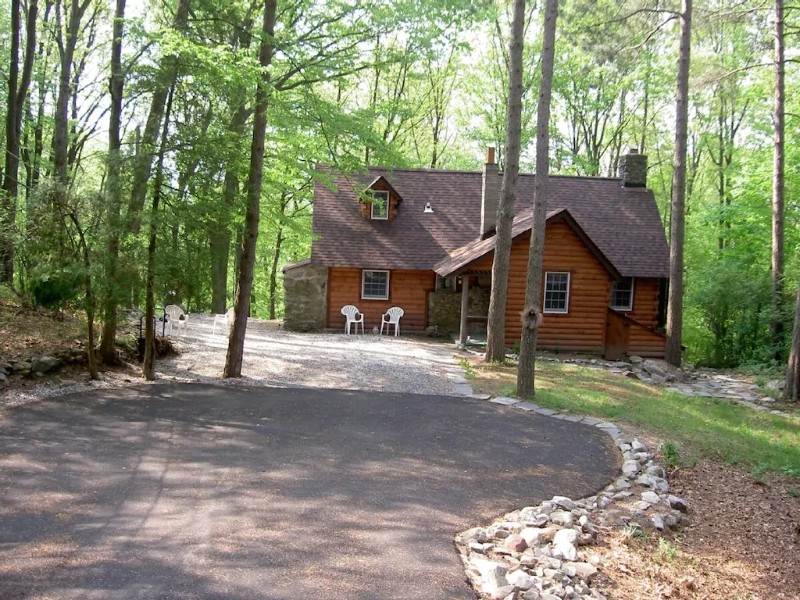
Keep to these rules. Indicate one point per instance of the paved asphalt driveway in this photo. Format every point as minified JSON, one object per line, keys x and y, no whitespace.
{"x":200,"y":491}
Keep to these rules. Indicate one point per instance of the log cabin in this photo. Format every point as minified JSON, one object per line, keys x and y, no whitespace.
{"x":424,"y":239}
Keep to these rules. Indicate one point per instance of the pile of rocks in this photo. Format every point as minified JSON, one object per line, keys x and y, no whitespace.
{"x":542,"y":552}
{"x":38,"y":366}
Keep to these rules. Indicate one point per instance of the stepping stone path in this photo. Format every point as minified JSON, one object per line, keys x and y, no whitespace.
{"x":688,"y":381}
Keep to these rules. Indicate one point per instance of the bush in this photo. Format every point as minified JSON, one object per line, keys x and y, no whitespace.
{"x":53,"y":288}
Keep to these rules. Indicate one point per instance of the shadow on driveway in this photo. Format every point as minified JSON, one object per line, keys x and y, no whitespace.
{"x":199,"y":491}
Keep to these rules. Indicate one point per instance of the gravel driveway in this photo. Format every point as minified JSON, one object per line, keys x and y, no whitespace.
{"x":276,"y":357}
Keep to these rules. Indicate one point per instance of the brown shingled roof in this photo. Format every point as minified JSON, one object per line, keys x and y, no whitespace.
{"x":623,"y":223}
{"x":462,"y":257}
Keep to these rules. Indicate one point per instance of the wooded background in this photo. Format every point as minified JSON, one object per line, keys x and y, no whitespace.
{"x":101,"y":172}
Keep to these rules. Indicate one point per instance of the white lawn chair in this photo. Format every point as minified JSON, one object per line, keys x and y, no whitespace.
{"x":392,"y":317}
{"x":354,"y":316}
{"x":224,"y":320}
{"x":175,"y":318}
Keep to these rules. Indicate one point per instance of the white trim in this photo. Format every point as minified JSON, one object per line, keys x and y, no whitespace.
{"x":629,"y":307}
{"x":566,"y":300}
{"x":379,"y":194}
{"x":363,"y":277}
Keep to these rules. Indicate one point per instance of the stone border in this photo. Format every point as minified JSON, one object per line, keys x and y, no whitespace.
{"x":542,"y":552}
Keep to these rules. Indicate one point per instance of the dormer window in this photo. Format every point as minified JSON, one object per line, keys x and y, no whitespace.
{"x":379,"y":206}
{"x":380,"y":201}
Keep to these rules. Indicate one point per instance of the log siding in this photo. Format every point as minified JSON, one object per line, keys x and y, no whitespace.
{"x":407,"y":289}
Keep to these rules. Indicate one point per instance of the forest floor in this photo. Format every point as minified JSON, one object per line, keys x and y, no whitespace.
{"x":741,"y":540}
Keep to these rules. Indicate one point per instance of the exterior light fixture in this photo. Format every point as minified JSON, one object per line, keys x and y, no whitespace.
{"x":428,"y":208}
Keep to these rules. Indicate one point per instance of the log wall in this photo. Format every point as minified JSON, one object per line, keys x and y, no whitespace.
{"x":407,"y":289}
{"x":644,"y":341}
{"x":582,"y":329}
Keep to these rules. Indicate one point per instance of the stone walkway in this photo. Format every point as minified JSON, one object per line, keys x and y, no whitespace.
{"x":688,"y":381}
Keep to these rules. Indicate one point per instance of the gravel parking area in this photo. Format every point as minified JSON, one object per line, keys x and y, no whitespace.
{"x":280,"y":358}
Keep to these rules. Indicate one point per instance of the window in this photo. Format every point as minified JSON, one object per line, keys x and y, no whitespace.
{"x":622,"y":294}
{"x":380,"y":206}
{"x":375,"y":285}
{"x":556,"y":292}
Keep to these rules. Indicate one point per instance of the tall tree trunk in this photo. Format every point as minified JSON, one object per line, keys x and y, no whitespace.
{"x":88,"y":297}
{"x":17,"y":92}
{"x":677,"y":205}
{"x":143,"y":161}
{"x":113,"y":192}
{"x":273,"y":273}
{"x":792,"y":389}
{"x":220,"y":233}
{"x":496,"y":325}
{"x":61,"y":119}
{"x":43,"y":60}
{"x":148,"y":365}
{"x":778,"y":126}
{"x":244,"y":286}
{"x":531,"y":317}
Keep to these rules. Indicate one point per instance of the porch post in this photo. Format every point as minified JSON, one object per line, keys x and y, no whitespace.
{"x":462,"y":338}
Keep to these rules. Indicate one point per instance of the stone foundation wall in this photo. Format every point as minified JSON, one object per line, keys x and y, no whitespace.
{"x":444,"y":308}
{"x":305,"y":298}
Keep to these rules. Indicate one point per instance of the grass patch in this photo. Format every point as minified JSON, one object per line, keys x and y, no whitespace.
{"x":469,"y":372}
{"x":703,"y":427}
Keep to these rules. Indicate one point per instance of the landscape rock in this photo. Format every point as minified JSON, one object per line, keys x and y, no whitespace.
{"x":563,"y":502}
{"x":650,"y":497}
{"x":630,"y":468}
{"x":562,"y":517}
{"x":44,"y":364}
{"x":515,"y":543}
{"x":584,"y":570}
{"x":678,"y":503}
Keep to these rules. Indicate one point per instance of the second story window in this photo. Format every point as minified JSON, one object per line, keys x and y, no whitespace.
{"x":380,"y":206}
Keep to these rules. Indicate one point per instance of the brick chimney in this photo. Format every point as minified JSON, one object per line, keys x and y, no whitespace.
{"x":633,"y":169}
{"x":490,"y":194}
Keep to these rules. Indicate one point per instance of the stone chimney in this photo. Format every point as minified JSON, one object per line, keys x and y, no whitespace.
{"x":633,"y":169}
{"x":490,"y":195}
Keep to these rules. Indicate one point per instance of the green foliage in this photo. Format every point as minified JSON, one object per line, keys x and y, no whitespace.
{"x":55,"y":287}
{"x":469,"y":372}
{"x":673,"y":458}
{"x":666,"y":552}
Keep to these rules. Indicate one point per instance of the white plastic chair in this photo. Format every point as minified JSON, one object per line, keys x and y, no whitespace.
{"x":175,"y":317}
{"x":223,"y":319}
{"x":392,"y":317}
{"x":354,"y":316}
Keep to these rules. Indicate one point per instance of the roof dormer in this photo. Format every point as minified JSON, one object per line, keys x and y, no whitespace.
{"x":380,"y":200}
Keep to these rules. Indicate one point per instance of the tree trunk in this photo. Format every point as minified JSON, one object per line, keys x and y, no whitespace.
{"x":113,"y":193}
{"x":143,"y":161}
{"x":244,"y":286}
{"x":273,"y":273}
{"x":17,"y":92}
{"x":531,"y":315}
{"x":220,"y":246}
{"x":220,"y":234}
{"x":792,"y":389}
{"x":778,"y":127}
{"x":88,"y":297}
{"x":148,"y":365}
{"x":677,"y":205}
{"x":496,"y":324}
{"x":61,"y":117}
